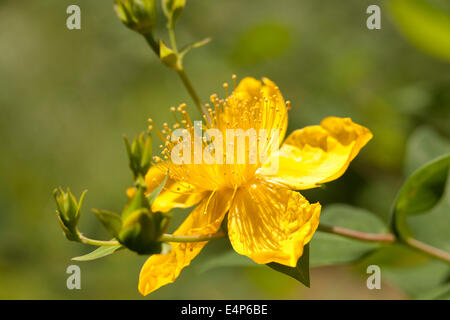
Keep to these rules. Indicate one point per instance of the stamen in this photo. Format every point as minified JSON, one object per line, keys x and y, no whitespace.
{"x":225,"y":85}
{"x":288,"y":105}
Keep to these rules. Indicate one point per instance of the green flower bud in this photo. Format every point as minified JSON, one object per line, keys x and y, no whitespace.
{"x":138,"y":201}
{"x":139,"y":154}
{"x":173,"y":9}
{"x":141,"y":231}
{"x":68,"y":212}
{"x":138,"y":15}
{"x":169,"y":57}
{"x":141,"y":228}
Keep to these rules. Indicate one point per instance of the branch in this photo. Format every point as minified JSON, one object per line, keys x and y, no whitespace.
{"x":427,"y":249}
{"x":357,"y":235}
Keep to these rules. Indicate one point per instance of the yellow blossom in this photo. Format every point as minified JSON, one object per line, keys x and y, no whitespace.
{"x":268,"y":220}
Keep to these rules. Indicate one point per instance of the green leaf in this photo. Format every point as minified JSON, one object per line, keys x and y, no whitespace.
{"x":423,"y":146}
{"x":416,"y":274}
{"x":440,"y":293}
{"x":331,"y":249}
{"x":194,"y":45}
{"x":98,"y":253}
{"x":300,"y":272}
{"x":229,"y":258}
{"x":420,"y":193}
{"x":425,"y":227}
{"x":152,"y":196}
{"x":110,"y":220}
{"x":427,"y":27}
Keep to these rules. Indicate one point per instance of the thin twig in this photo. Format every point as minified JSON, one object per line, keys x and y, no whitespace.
{"x":357,"y":235}
{"x":427,"y":249}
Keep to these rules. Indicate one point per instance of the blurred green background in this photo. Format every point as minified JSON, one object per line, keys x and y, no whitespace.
{"x":66,"y":98}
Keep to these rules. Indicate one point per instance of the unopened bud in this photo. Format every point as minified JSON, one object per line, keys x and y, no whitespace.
{"x":169,"y":57}
{"x":139,"y":154}
{"x":138,"y":15}
{"x":141,"y":231}
{"x":173,"y":9}
{"x":68,"y":212}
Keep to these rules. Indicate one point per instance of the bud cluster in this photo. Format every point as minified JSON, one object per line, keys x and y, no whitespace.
{"x":141,"y":16}
{"x":137,"y":228}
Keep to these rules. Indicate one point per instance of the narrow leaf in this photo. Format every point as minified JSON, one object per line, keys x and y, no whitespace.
{"x":98,"y":253}
{"x":194,"y":45}
{"x":152,"y":196}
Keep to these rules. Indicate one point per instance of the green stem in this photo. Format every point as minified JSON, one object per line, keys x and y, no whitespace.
{"x":173,"y":40}
{"x":193,"y":94}
{"x":195,"y":238}
{"x":181,"y":73}
{"x":165,"y":238}
{"x":152,"y":43}
{"x":357,"y":235}
{"x":99,"y":243}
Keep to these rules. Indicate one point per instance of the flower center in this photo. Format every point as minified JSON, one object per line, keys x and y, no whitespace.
{"x":225,"y":152}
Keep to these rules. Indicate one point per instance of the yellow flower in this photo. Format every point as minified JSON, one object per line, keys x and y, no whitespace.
{"x":267,"y":220}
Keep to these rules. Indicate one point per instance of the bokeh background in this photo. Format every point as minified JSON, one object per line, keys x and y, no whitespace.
{"x":66,"y":98}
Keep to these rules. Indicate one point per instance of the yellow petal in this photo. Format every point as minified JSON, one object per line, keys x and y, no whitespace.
{"x":255,"y":104}
{"x":161,"y":269}
{"x":249,"y":87}
{"x":271,"y":224}
{"x":175,"y":194}
{"x":318,"y":154}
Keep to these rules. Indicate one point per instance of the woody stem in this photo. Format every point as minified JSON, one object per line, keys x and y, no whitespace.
{"x":386,"y":238}
{"x":357,"y":235}
{"x":427,"y":249}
